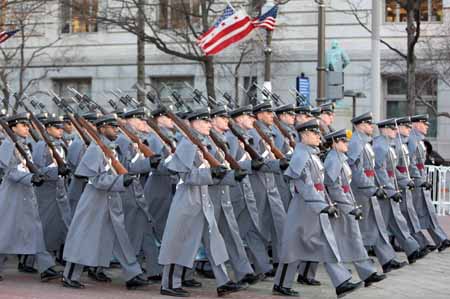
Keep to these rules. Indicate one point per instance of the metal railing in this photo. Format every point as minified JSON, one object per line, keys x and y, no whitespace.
{"x":439,"y":176}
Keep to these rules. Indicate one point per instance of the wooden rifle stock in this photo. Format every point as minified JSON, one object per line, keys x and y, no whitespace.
{"x":180,"y":124}
{"x":234,"y":128}
{"x":224,"y":147}
{"x":118,"y":167}
{"x":154,"y":126}
{"x":144,"y":149}
{"x":276,"y":152}
{"x":33,"y":168}
{"x":285,"y":133}
{"x":79,"y":128}
{"x":59,"y":160}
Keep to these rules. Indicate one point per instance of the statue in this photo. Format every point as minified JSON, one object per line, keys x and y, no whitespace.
{"x":337,"y":59}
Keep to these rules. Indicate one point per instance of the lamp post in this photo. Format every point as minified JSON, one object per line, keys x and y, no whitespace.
{"x":354,"y":95}
{"x":321,"y":68}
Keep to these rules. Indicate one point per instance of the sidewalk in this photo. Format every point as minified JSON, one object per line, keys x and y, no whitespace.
{"x":428,"y":278}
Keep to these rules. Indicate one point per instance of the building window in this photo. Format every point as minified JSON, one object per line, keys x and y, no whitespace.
{"x":79,"y":16}
{"x":177,"y":14}
{"x":83,"y":85}
{"x":167,"y":85}
{"x":3,"y":6}
{"x":397,"y":106}
{"x":430,"y":11}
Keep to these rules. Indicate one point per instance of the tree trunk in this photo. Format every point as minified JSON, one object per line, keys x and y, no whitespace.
{"x":209,"y":74}
{"x":412,"y":31}
{"x":141,"y":50}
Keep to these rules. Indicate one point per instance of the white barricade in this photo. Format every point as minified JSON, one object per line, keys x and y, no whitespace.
{"x":439,"y":176}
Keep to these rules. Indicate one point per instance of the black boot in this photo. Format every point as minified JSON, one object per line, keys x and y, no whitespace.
{"x":279,"y":290}
{"x":50,"y":274}
{"x":412,"y":258}
{"x":136,"y":282}
{"x":22,"y":266}
{"x":177,"y":292}
{"x":393,"y":265}
{"x":191,"y":283}
{"x":228,"y":288}
{"x":250,"y":278}
{"x":444,"y":245}
{"x":346,"y":288}
{"x":375,"y":277}
{"x":67,"y":283}
{"x":423,"y":253}
{"x":308,"y":281}
{"x":96,"y":275}
{"x":431,"y":248}
{"x":155,"y":278}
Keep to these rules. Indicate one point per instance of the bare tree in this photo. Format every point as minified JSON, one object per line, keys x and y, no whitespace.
{"x":413,"y":30}
{"x":16,"y":57}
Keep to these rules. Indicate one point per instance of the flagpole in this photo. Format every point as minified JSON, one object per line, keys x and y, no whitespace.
{"x":268,"y":52}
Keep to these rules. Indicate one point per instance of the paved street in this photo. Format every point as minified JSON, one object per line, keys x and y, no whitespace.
{"x":428,"y":278}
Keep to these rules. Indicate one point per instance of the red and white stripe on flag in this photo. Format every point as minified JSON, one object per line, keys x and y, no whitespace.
{"x":269,"y":23}
{"x":231,"y":30}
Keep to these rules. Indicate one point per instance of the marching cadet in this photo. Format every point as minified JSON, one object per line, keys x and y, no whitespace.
{"x":271,"y":210}
{"x":286,"y":114}
{"x":21,"y":231}
{"x":361,"y":159}
{"x":422,"y":194}
{"x":242,"y":196}
{"x":306,"y":270}
{"x":405,"y":182}
{"x":308,"y":219}
{"x":138,"y":221}
{"x":326,"y":118}
{"x":346,"y":228}
{"x":385,"y":166}
{"x":98,"y":222}
{"x":159,"y":190}
{"x":75,"y":152}
{"x":191,"y":217}
{"x":303,"y":114}
{"x":225,"y":217}
{"x":69,"y":134}
{"x":54,"y":206}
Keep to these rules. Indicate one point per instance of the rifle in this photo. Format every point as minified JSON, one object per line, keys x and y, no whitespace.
{"x":109,"y":155}
{"x":59,"y":160}
{"x":237,"y":131}
{"x":276,"y":120}
{"x":72,"y":116}
{"x":226,"y":151}
{"x":276,"y":151}
{"x":33,"y":133}
{"x":150,"y":122}
{"x":30,"y":165}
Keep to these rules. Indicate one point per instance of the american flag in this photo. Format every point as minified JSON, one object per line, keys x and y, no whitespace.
{"x":230,"y":27}
{"x":267,"y":20}
{"x":4,"y":35}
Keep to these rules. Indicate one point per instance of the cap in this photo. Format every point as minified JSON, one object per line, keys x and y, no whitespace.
{"x":201,"y":113}
{"x":304,"y":109}
{"x":327,"y":108}
{"x":363,"y":118}
{"x":289,"y":109}
{"x":159,"y":111}
{"x":422,"y":118}
{"x":316,"y":111}
{"x":42,"y":116}
{"x":90,"y":116}
{"x":140,"y":113}
{"x":310,"y":125}
{"x":244,"y":110}
{"x":54,"y":120}
{"x":23,"y":118}
{"x":109,"y":119}
{"x":343,"y":134}
{"x":404,"y":121}
{"x":221,"y":110}
{"x":262,"y":107}
{"x":387,"y":123}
